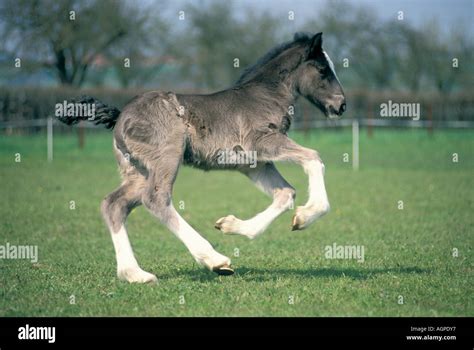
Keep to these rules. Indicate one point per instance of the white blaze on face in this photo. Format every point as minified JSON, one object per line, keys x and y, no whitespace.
{"x":331,"y":65}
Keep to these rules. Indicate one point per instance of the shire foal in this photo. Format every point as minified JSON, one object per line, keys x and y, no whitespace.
{"x":157,"y":131}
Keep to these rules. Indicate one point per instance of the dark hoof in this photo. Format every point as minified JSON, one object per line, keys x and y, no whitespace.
{"x":295,"y":225}
{"x":223,"y":271}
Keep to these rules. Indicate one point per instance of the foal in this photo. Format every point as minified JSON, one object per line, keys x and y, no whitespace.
{"x":158,"y":131}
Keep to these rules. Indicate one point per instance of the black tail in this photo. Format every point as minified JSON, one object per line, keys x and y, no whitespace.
{"x":102,"y":114}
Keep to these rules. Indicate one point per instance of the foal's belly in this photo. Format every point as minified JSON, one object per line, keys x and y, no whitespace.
{"x":213,"y":155}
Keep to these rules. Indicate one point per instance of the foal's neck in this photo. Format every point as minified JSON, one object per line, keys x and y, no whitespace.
{"x":279,"y":94}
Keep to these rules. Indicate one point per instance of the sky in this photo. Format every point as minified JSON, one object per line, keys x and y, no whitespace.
{"x":417,"y":12}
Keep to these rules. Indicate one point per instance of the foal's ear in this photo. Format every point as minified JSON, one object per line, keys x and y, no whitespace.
{"x":315,"y":46}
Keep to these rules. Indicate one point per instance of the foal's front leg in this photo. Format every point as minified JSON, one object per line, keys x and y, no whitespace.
{"x":267,"y":178}
{"x":318,"y":203}
{"x":279,"y":147}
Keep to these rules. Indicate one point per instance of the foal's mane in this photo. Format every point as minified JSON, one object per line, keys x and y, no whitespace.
{"x":252,"y":70}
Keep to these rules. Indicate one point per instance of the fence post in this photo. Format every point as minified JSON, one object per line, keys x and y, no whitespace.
{"x":49,"y":141}
{"x":81,"y":136}
{"x":355,"y":144}
{"x":369,"y":119}
{"x":430,"y":120}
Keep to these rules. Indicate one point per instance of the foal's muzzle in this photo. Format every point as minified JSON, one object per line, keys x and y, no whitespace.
{"x":337,"y":106}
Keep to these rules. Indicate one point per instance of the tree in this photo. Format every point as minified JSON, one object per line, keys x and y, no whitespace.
{"x":355,"y":32}
{"x":137,"y":64}
{"x":215,"y":45}
{"x":413,"y":56}
{"x":68,"y":36}
{"x":442,"y":50}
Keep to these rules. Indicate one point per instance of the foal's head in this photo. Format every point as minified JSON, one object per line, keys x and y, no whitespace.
{"x":315,"y":79}
{"x":306,"y":67}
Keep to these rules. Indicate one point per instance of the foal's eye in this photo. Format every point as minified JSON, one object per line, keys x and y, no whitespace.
{"x":325,"y":72}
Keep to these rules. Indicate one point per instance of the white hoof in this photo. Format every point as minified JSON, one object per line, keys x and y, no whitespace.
{"x":216,"y":262}
{"x":306,"y":215}
{"x":228,"y":224}
{"x":136,"y":275}
{"x":233,"y":226}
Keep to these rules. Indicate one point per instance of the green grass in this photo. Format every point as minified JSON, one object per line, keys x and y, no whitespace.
{"x":408,"y":252}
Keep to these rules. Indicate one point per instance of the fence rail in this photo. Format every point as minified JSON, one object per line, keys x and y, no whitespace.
{"x":316,"y":124}
{"x":387,"y":122}
{"x":39,"y":122}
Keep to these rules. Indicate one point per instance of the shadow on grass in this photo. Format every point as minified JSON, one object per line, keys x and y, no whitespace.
{"x":261,"y":275}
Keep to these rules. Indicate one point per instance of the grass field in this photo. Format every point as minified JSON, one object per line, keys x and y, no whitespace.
{"x":408,"y":253}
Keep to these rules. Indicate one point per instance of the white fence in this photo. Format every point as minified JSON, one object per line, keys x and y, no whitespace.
{"x":316,"y":124}
{"x":388,"y":122}
{"x":45,"y":122}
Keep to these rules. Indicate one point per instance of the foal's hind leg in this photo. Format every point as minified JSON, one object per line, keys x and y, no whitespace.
{"x":157,"y":199}
{"x":115,"y":209}
{"x":267,"y":178}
